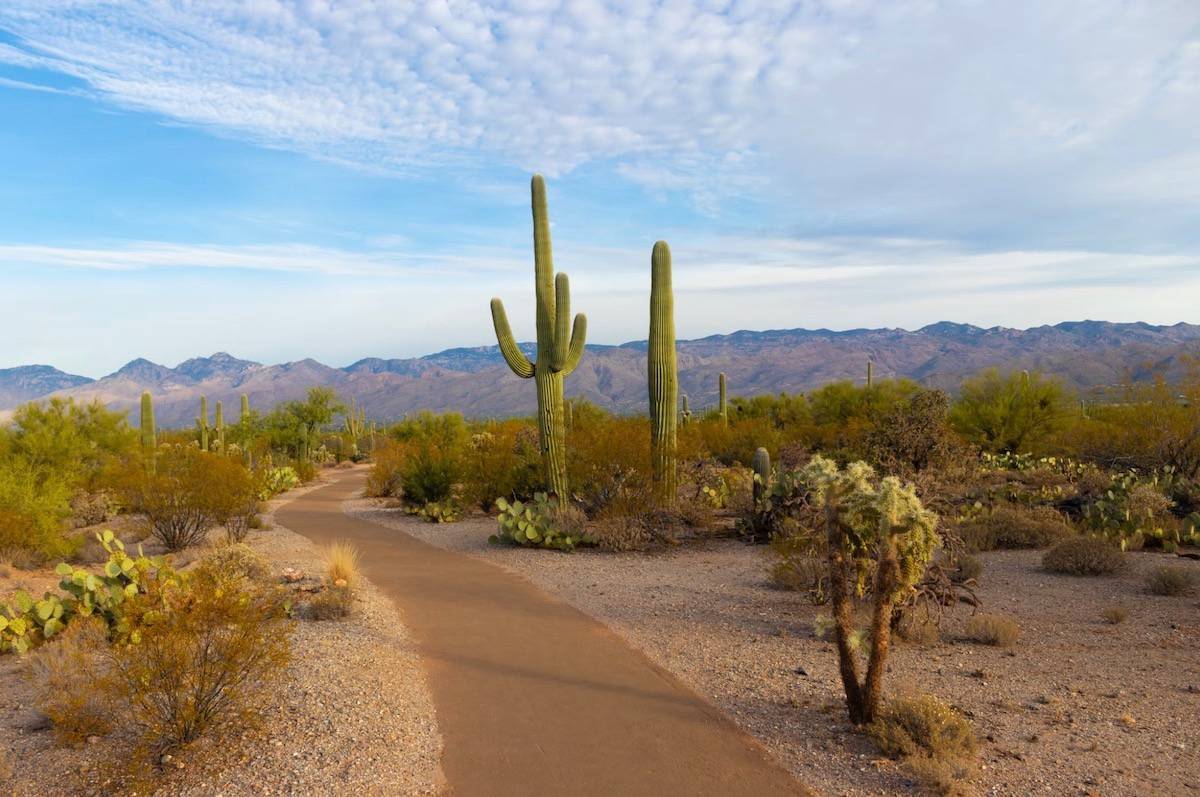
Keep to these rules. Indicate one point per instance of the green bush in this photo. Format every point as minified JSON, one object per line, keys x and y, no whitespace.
{"x":1008,"y":412}
{"x":34,"y":503}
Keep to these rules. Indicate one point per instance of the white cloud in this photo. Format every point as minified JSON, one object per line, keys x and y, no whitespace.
{"x":949,"y":116}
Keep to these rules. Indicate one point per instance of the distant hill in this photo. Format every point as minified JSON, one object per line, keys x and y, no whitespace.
{"x":476,"y":382}
{"x":18,"y":385}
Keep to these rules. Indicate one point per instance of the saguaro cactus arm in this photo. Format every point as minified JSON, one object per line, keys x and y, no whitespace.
{"x":513,"y":355}
{"x":575,"y":350}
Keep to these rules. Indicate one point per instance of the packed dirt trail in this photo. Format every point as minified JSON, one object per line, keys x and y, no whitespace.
{"x":534,"y":697}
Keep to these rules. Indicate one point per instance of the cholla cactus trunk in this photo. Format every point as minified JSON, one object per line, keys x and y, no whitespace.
{"x":559,"y":347}
{"x":220,"y":423}
{"x":202,"y":422}
{"x":761,"y":465}
{"x":723,"y":409}
{"x":685,"y":415}
{"x":149,"y":438}
{"x":662,"y":376}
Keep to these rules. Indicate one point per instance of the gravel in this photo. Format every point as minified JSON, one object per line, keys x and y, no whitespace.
{"x":353,"y":715}
{"x":1077,"y":707}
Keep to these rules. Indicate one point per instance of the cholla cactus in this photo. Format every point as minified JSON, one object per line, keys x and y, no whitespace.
{"x":559,"y":344}
{"x":663,"y":376}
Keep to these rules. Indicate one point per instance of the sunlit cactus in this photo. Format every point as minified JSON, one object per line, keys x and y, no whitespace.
{"x":149,"y":439}
{"x":662,"y":375}
{"x":559,"y":344}
{"x":722,"y":407}
{"x":685,"y":415}
{"x":202,"y":423}
{"x":762,"y":474}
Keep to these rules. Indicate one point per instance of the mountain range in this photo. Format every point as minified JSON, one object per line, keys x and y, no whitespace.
{"x":476,"y":382}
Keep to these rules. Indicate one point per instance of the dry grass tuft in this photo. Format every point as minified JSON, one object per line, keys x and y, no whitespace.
{"x":1115,"y":615}
{"x":238,"y":559}
{"x":331,"y":603}
{"x":341,"y":564}
{"x":918,"y":628}
{"x":935,"y":742}
{"x":992,"y":629}
{"x":1170,"y":581}
{"x":71,"y":681}
{"x":966,"y":568}
{"x":1084,"y":556}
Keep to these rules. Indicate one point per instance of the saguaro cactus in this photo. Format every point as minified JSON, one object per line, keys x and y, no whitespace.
{"x":558,"y":351}
{"x":662,"y":375}
{"x":870,"y":373}
{"x":761,"y":464}
{"x":149,"y":441}
{"x":723,"y":409}
{"x":685,"y":415}
{"x":202,"y":423}
{"x":356,"y":420}
{"x":220,"y":423}
{"x":244,"y":425}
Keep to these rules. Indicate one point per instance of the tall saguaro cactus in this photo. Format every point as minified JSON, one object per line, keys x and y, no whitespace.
{"x":244,"y":424}
{"x":202,"y":423}
{"x":149,"y":441}
{"x":685,"y":415}
{"x":723,"y":410}
{"x":220,"y":423}
{"x":558,"y":348}
{"x":663,"y":376}
{"x":870,"y":373}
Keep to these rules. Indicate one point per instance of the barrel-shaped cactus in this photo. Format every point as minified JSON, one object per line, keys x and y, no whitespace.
{"x":761,"y":466}
{"x":149,"y":438}
{"x":662,"y":375}
{"x":559,"y":344}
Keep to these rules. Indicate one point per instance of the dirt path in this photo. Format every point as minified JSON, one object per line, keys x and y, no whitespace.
{"x":532,"y":696}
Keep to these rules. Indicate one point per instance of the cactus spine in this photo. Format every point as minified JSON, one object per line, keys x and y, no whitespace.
{"x":662,"y":375}
{"x":761,"y":465}
{"x":202,"y":423}
{"x":558,"y":349}
{"x":149,"y":441}
{"x":685,"y":415}
{"x":220,"y":423}
{"x":723,"y":409}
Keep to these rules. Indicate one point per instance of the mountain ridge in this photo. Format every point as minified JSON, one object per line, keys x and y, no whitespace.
{"x":476,"y":381}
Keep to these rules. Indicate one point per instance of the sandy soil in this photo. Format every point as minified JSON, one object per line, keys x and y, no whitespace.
{"x":1077,"y":707}
{"x":352,"y":716}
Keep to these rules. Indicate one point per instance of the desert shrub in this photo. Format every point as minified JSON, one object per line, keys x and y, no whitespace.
{"x":331,"y":603}
{"x":238,"y":560}
{"x":76,"y":441}
{"x":1115,"y":615}
{"x":1171,"y":581}
{"x":216,"y":643}
{"x":915,"y":435}
{"x":189,"y":492}
{"x":70,"y":679}
{"x":542,"y":523}
{"x":448,"y":511}
{"x":1084,"y":556}
{"x":91,"y":508}
{"x":433,"y":456}
{"x":608,"y":465}
{"x":1014,"y":526}
{"x":502,"y":460}
{"x":992,"y":629}
{"x":305,"y":470}
{"x":1008,"y":412}
{"x":33,"y":505}
{"x":934,"y":741}
{"x":966,"y":568}
{"x":918,"y":628}
{"x":384,"y":478}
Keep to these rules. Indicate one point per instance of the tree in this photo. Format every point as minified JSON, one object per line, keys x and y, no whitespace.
{"x":878,"y":539}
{"x":1008,"y":412}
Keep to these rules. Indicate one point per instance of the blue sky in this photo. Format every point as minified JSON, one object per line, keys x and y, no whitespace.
{"x":337,"y":180}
